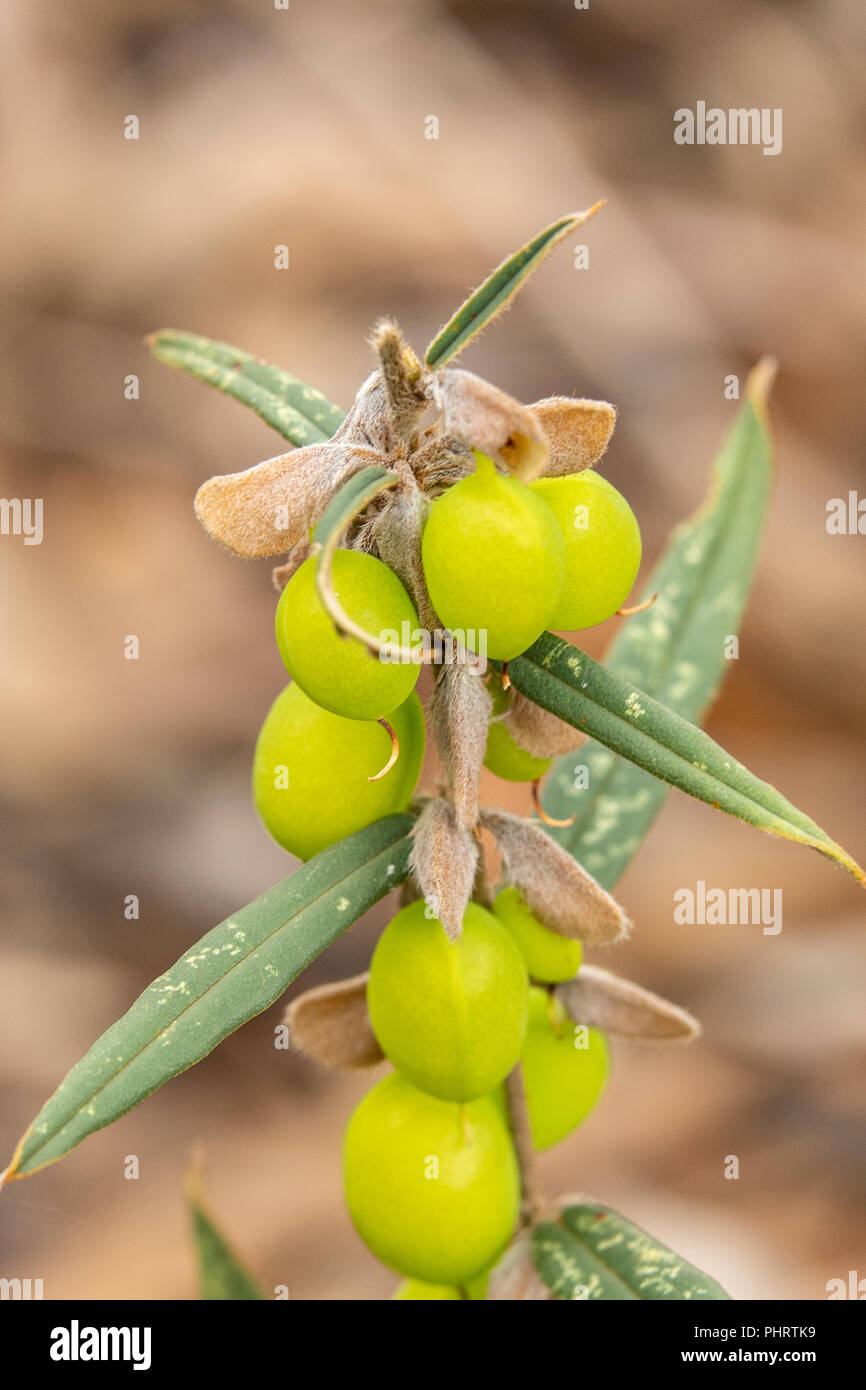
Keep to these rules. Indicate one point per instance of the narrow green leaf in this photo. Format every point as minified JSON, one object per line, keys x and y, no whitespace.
{"x":499,"y":289}
{"x":221,"y":1274}
{"x":295,"y":410}
{"x":351,"y":500}
{"x":592,"y":1253}
{"x":232,"y":974}
{"x":627,"y":720}
{"x":676,"y":649}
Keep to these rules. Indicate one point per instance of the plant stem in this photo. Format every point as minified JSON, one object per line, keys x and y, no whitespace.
{"x":532,"y":1201}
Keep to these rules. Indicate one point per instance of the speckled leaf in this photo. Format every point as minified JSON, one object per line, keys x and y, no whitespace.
{"x":295,"y":410}
{"x":627,"y":720}
{"x":220,"y":1273}
{"x":236,"y":971}
{"x":499,"y":289}
{"x":591,"y":1253}
{"x":676,"y":649}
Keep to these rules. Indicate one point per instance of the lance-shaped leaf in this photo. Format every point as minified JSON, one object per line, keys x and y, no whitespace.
{"x":221,"y":1274}
{"x":330,"y":1024}
{"x":588,"y":1252}
{"x":500,"y":287}
{"x":627,"y":720}
{"x":295,"y":410}
{"x":232,"y":974}
{"x":600,"y":999}
{"x":676,"y":649}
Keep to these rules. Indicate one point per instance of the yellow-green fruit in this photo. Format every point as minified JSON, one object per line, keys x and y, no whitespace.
{"x":504,"y":757}
{"x":549,"y":957}
{"x":416,"y":1289}
{"x":494,"y":559}
{"x":432,"y":1187}
{"x":311,"y":767}
{"x":339,"y":673}
{"x":602,"y":547}
{"x":563,"y":1082}
{"x":475,"y":1289}
{"x":450,"y":1015}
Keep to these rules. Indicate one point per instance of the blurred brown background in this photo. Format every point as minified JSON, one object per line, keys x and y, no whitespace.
{"x":306,"y":127}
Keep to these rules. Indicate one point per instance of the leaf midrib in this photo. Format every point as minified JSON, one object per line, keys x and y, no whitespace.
{"x":194,"y":1002}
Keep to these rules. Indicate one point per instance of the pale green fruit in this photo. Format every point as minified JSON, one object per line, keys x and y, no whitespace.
{"x":474,"y":1289}
{"x":563,"y":1082}
{"x":504,"y":757}
{"x":549,"y":957}
{"x":494,"y":559}
{"x":311,"y":767}
{"x":339,"y":673}
{"x":432,"y":1187}
{"x":602,"y":547}
{"x":413,"y":1289}
{"x":450,"y":1015}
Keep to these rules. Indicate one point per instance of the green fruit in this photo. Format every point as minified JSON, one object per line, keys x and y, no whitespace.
{"x":476,"y":1289}
{"x":563,"y":1082}
{"x":494,"y":560}
{"x":417,"y":1289}
{"x":549,"y":957}
{"x":505,"y":757}
{"x":602,"y":547}
{"x":339,"y":673}
{"x":311,"y":768}
{"x":443,"y":1229}
{"x":450,"y":1015}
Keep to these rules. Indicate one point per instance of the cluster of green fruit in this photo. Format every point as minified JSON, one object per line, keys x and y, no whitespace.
{"x":430,"y":1172}
{"x":502,"y":561}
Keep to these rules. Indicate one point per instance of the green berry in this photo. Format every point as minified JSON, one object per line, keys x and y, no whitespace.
{"x":475,"y":1289}
{"x":450,"y":1015}
{"x":493,"y":559}
{"x":563,"y":1082}
{"x":311,"y":768}
{"x":550,"y":958}
{"x":416,"y":1289}
{"x":505,"y":757}
{"x":602,"y":547}
{"x":339,"y":673}
{"x":432,"y":1187}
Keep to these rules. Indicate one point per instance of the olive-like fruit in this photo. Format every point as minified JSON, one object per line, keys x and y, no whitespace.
{"x":311,"y":767}
{"x":602,"y":547}
{"x":494,"y":560}
{"x":563,"y":1082}
{"x":339,"y":673}
{"x":450,"y":1015}
{"x":432,"y":1187}
{"x":550,"y":958}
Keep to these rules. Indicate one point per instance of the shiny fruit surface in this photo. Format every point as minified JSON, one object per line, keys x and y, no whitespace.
{"x":563,"y":1082}
{"x":311,"y":767}
{"x":450,"y":1015}
{"x":602,"y":547}
{"x":494,"y":560}
{"x":339,"y":673}
{"x":432,"y":1187}
{"x":550,"y":958}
